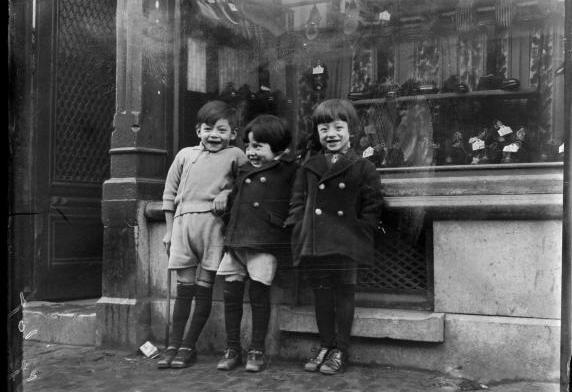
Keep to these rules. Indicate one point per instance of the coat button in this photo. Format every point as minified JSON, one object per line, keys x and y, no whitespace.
{"x":318,"y":211}
{"x":340,"y":213}
{"x":248,"y":180}
{"x":321,"y":187}
{"x":342,"y":185}
{"x":262,"y":179}
{"x":256,"y":204}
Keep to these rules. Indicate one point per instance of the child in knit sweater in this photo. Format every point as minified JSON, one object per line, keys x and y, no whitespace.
{"x":197,"y":187}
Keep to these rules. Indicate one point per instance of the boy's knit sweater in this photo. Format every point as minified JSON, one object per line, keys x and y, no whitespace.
{"x":197,"y":176}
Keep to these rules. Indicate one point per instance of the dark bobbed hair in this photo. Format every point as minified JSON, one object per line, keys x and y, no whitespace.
{"x":267,"y":128}
{"x":335,"y":109}
{"x":213,"y":111}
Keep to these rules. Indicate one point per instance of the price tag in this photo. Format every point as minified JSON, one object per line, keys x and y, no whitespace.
{"x":368,"y":152}
{"x":511,"y":148}
{"x":478,"y":144}
{"x":384,"y":16}
{"x":317,"y":70}
{"x":561,"y":149}
{"x":504,"y":130}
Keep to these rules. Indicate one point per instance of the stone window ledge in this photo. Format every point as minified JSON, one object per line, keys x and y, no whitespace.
{"x":412,"y":325}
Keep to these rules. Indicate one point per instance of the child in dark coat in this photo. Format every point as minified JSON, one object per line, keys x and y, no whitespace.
{"x":336,"y":201}
{"x":256,"y":238}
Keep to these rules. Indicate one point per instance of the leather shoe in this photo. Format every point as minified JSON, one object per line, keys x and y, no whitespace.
{"x":316,"y":360}
{"x":232,"y":358}
{"x":167,"y":358}
{"x":255,"y":361}
{"x":185,"y":357}
{"x":334,"y":363}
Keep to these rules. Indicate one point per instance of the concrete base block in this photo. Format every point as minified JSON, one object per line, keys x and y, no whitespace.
{"x":122,"y":322}
{"x":373,"y":323}
{"x":65,"y":323}
{"x":481,"y":348}
{"x":503,"y":348}
{"x":500,"y":268}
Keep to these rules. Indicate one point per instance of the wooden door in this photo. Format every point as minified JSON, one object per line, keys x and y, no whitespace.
{"x":74,"y":105}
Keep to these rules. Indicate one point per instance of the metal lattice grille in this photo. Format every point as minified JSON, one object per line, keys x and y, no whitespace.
{"x":400,"y":266}
{"x":85,"y":89}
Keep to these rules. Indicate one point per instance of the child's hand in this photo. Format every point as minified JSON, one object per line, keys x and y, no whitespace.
{"x":167,"y":242}
{"x":220,"y":202}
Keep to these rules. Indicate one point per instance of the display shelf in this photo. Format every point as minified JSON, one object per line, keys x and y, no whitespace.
{"x":472,"y":94}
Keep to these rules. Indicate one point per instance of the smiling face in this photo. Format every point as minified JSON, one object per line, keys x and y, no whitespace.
{"x":258,"y":153}
{"x":334,"y":136}
{"x":216,"y":137}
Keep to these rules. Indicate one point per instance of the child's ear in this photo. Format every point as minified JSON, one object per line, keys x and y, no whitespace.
{"x":198,"y":129}
{"x":233,"y":133}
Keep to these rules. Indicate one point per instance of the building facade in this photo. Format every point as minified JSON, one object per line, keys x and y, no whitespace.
{"x":463,"y":110}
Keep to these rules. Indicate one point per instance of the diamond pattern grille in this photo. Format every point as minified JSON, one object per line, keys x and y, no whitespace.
{"x":85,"y":89}
{"x":401,"y":266}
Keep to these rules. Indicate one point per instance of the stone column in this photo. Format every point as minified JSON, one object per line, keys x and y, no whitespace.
{"x":142,"y":131}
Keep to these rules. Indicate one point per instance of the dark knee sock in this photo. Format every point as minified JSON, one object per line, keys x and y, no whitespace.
{"x":233,"y":296}
{"x":181,"y":312}
{"x":345,"y":306}
{"x":325,"y":315}
{"x":260,"y":304}
{"x":203,"y":304}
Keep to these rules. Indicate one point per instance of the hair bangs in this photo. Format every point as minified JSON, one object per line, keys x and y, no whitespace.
{"x":335,"y":109}
{"x":213,"y":111}
{"x":270,"y":129}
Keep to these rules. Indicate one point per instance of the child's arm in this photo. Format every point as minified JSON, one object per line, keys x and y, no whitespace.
{"x":168,"y":231}
{"x":298,"y":200}
{"x":172,"y":183}
{"x":370,"y":195}
{"x":169,"y":195}
{"x":220,"y":202}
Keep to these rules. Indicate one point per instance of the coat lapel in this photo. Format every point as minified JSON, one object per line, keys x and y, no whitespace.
{"x":262,"y":168}
{"x":318,"y":165}
{"x":253,"y":170}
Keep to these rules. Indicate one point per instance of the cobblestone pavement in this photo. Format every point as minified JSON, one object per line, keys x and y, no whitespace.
{"x":49,"y":367}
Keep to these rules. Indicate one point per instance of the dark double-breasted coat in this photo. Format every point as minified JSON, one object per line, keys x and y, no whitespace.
{"x":335,"y":210}
{"x":259,"y":208}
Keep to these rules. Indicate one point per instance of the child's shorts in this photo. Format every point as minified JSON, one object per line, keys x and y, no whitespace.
{"x":261,"y":267}
{"x":197,"y":238}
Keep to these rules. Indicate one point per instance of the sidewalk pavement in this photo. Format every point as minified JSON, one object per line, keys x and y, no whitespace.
{"x":62,"y":368}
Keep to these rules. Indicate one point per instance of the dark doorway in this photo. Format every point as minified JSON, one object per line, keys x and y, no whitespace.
{"x":74,"y":102}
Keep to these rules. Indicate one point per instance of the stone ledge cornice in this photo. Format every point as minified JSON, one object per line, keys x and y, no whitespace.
{"x":377,"y":323}
{"x":476,"y":207}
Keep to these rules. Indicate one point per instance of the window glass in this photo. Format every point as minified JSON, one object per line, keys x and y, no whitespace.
{"x":436,"y":82}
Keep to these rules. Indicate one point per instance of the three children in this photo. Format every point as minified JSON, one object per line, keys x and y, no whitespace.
{"x":333,"y":212}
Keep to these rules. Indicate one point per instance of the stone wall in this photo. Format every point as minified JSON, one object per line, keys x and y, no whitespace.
{"x":496,"y":317}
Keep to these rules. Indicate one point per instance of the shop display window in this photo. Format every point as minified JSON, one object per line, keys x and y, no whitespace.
{"x":436,"y":82}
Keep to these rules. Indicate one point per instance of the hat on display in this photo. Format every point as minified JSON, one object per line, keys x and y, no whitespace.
{"x":450,"y":85}
{"x":489,"y":82}
{"x":510,"y":84}
{"x":462,"y":88}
